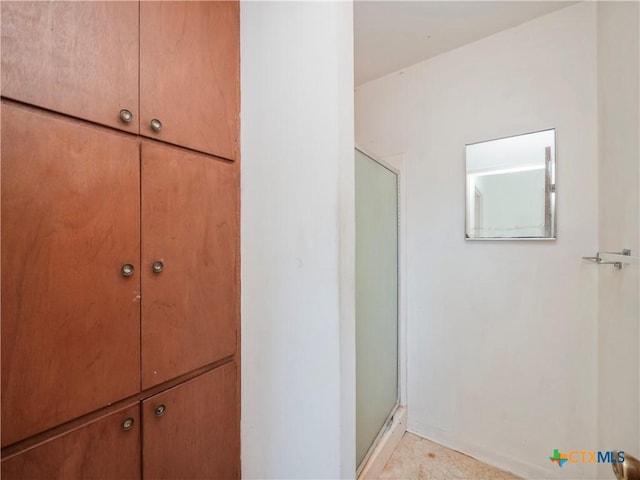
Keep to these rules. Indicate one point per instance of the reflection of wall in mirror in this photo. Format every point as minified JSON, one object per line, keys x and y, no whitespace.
{"x":512,"y":204}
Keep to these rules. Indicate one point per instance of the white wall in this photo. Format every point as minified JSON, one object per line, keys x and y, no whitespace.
{"x":619,"y":304}
{"x":298,"y":387}
{"x":502,"y":336}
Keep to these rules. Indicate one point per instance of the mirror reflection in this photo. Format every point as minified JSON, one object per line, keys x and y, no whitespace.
{"x":510,"y":192}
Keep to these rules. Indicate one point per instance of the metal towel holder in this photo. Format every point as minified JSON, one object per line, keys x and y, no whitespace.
{"x":617,"y":259}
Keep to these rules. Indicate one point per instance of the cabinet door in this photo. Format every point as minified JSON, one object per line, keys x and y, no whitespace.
{"x":78,"y":58}
{"x":107,"y":448}
{"x":70,"y":319}
{"x":190,"y":74}
{"x":192,"y":431}
{"x":190,"y":224}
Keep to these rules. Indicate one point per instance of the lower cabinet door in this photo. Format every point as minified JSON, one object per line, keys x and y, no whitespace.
{"x":107,"y":448}
{"x":192,"y":431}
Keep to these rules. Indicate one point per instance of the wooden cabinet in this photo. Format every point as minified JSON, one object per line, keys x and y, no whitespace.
{"x":75,"y":208}
{"x":120,"y":243}
{"x":108,"y":447}
{"x":190,"y":224}
{"x":174,"y":63}
{"x":192,"y":430}
{"x":70,"y":320}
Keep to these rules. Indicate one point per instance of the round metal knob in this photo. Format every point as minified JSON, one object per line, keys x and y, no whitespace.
{"x":126,"y":270}
{"x":157,"y":266}
{"x":128,"y":424}
{"x":160,"y":409}
{"x":126,"y":116}
{"x":156,"y":125}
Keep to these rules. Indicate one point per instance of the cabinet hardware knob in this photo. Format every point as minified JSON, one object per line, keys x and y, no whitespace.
{"x":157,"y":266}
{"x":128,"y":424}
{"x":126,"y":116}
{"x":126,"y":270}
{"x":156,"y":125}
{"x":160,"y":409}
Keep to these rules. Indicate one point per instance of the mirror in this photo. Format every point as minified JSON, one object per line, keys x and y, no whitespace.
{"x":510,"y":188}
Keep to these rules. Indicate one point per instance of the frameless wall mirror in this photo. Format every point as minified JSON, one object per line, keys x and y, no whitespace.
{"x":511,"y":187}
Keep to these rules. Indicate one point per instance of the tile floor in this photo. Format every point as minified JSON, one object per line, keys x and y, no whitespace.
{"x":418,"y":459}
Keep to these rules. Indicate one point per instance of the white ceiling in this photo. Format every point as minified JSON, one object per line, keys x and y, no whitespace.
{"x":391,"y":35}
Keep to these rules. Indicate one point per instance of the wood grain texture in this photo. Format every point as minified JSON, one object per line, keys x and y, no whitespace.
{"x":190,"y":74}
{"x":70,"y":320}
{"x":198,"y":436}
{"x":98,"y":450}
{"x":189,"y":222}
{"x":77,"y":58}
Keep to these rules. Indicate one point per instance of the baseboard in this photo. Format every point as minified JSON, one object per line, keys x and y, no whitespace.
{"x":385,"y":446}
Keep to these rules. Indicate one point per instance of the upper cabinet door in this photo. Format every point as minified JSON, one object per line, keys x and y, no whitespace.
{"x":77,"y":58}
{"x":190,"y":250}
{"x":190,"y":74}
{"x":107,"y":448}
{"x":70,"y":276}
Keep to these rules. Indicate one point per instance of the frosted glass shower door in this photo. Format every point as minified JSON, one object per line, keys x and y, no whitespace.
{"x":376,"y":300}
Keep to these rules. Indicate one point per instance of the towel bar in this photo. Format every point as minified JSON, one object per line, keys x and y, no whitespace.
{"x":617,"y":259}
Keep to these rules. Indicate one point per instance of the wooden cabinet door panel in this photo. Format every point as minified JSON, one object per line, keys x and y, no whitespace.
{"x":198,"y":435}
{"x":98,"y":450}
{"x":190,"y":223}
{"x":77,"y":58}
{"x":190,"y":74}
{"x":70,"y":220}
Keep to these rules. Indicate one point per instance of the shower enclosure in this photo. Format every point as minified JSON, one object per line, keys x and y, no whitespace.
{"x":376,"y":300}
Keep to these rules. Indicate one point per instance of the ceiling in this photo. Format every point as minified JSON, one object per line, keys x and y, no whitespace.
{"x":391,"y":35}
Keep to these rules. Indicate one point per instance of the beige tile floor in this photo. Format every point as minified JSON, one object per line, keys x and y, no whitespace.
{"x":418,"y":459}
